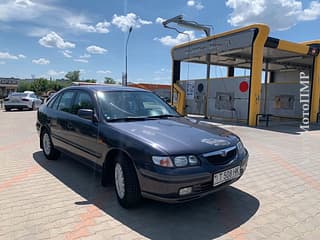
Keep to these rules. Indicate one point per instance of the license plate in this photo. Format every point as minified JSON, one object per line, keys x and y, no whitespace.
{"x":222,"y":177}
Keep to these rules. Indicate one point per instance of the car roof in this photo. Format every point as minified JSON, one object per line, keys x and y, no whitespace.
{"x":106,"y":88}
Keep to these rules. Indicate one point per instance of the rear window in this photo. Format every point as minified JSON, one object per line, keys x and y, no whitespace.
{"x":19,"y":94}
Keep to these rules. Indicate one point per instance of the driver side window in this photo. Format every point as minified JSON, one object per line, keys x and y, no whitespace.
{"x":65,"y":103}
{"x":82,"y":101}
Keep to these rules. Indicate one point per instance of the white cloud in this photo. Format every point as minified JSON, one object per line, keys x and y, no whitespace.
{"x":67,"y":53}
{"x":102,"y":27}
{"x":38,"y":32}
{"x":160,"y":20}
{"x":85,"y":56}
{"x":180,"y":38}
{"x":21,"y":10}
{"x":54,"y":73}
{"x":52,"y":39}
{"x":6,"y":55}
{"x":81,"y":23}
{"x":104,"y":72}
{"x":41,"y":61}
{"x":311,"y":13}
{"x":162,"y":70}
{"x":46,"y":13}
{"x":81,"y":60}
{"x":278,"y":14}
{"x":127,"y":21}
{"x":96,"y":50}
{"x":196,"y":4}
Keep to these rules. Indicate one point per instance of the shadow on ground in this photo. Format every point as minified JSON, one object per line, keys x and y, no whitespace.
{"x":205,"y":218}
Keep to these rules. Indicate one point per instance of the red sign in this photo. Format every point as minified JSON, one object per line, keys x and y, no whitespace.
{"x":244,"y":86}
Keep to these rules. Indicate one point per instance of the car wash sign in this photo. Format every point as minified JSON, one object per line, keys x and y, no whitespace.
{"x":224,"y":44}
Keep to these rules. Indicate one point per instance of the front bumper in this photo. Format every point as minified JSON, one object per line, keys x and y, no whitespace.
{"x":166,"y":188}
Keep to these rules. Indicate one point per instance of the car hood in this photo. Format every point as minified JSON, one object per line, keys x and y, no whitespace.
{"x":178,"y":135}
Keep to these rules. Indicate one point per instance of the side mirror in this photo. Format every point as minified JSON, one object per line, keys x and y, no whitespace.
{"x":86,"y":114}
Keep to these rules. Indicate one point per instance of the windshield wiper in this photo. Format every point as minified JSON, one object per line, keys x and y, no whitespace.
{"x":127,"y":119}
{"x":142,"y":118}
{"x":163,"y":116}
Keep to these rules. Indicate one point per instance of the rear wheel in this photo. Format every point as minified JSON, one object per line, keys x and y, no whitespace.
{"x":126,"y":183}
{"x":48,"y":149}
{"x":33,"y":107}
{"x":7,"y":109}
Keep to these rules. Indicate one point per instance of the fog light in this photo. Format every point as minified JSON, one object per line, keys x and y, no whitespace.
{"x":185,"y":191}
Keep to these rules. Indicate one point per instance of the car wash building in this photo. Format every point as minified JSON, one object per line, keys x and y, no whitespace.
{"x":279,"y":73}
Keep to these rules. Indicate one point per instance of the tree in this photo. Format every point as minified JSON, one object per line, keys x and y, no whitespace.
{"x":24,"y":86}
{"x":73,"y":76}
{"x":90,"y":81}
{"x":109,"y":80}
{"x":39,"y":86}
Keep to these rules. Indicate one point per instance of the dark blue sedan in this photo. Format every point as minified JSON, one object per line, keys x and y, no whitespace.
{"x":140,"y":143}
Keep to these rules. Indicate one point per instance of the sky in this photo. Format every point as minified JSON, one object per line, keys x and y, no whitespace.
{"x":48,"y":38}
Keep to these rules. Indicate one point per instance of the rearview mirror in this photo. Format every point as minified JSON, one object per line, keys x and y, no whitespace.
{"x":86,"y":114}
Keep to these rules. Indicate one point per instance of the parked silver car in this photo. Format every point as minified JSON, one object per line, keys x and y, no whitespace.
{"x":19,"y":100}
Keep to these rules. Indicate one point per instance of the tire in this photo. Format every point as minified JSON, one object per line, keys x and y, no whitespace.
{"x":33,"y":107}
{"x":126,"y":183}
{"x":7,"y":109}
{"x":47,"y":146}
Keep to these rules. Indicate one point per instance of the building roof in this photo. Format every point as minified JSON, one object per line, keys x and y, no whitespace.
{"x":150,"y":87}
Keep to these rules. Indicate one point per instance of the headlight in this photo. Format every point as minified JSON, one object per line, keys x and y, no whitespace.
{"x":193,"y":160}
{"x":162,"y":161}
{"x":179,"y":161}
{"x":183,"y":161}
{"x":241,"y":148}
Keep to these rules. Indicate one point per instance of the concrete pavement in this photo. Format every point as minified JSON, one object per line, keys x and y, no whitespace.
{"x":277,"y":198}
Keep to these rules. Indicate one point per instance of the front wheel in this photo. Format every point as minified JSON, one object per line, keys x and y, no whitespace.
{"x":126,"y":183}
{"x":48,"y":149}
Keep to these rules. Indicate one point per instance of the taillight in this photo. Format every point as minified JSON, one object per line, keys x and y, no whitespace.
{"x":25,"y":99}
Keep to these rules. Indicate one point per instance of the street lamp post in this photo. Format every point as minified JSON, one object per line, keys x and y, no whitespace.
{"x":126,"y":67}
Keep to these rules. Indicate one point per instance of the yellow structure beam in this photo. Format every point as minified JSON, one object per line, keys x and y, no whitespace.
{"x":293,"y":47}
{"x":256,"y":68}
{"x":181,"y":99}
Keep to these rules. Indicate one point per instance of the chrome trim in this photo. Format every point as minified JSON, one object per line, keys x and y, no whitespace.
{"x":219,"y":152}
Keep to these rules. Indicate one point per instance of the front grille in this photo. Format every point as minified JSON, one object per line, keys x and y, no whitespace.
{"x":222,"y":156}
{"x":203,"y":187}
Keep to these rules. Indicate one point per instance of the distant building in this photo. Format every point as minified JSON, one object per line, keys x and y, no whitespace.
{"x":161,"y":90}
{"x":8,"y":85}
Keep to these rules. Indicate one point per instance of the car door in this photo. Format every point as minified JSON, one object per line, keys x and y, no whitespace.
{"x":85,"y":131}
{"x":62,"y":130}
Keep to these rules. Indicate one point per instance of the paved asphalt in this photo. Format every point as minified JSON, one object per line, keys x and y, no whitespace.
{"x":277,"y":198}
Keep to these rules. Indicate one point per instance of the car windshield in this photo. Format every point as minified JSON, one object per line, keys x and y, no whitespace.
{"x":131,"y":105}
